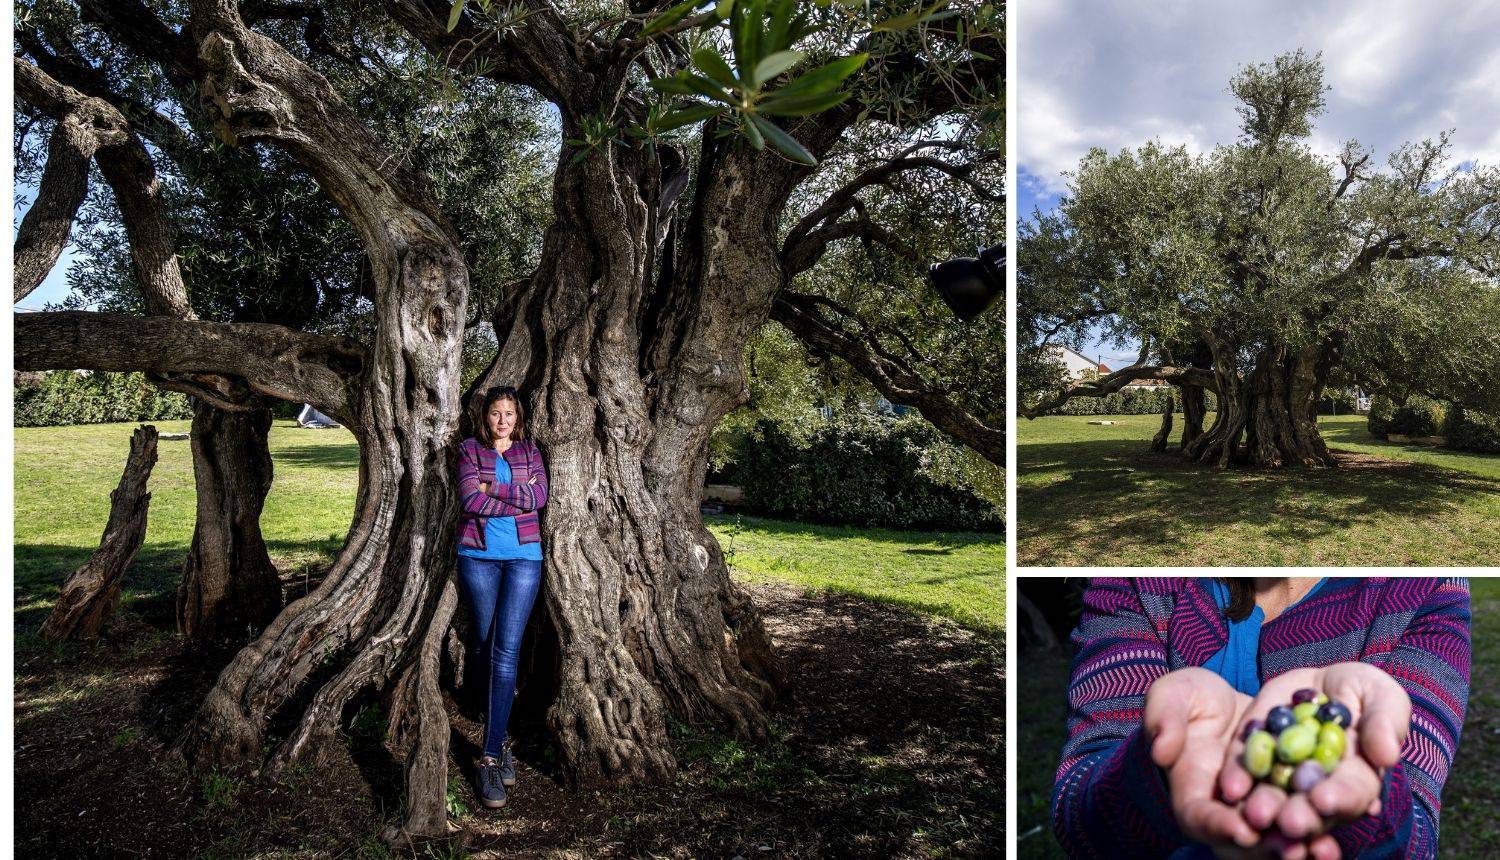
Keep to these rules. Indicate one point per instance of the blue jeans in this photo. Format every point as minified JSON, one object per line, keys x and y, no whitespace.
{"x":500,"y":594}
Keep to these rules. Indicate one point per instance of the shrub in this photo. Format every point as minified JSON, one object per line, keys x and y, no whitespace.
{"x":1381,"y":410}
{"x":1132,"y":401}
{"x":1472,"y":431}
{"x":858,"y":470}
{"x":1418,"y":417}
{"x":62,"y":397}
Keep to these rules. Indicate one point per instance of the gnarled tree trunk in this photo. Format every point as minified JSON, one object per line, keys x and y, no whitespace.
{"x":1272,"y":408}
{"x":228,"y":582}
{"x":648,"y":622}
{"x":90,"y":595}
{"x":1164,"y":434}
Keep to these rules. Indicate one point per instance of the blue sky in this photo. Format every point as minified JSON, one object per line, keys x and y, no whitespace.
{"x":1116,"y":74}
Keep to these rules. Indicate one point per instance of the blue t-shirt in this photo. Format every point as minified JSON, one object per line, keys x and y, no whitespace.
{"x":1238,"y":662}
{"x":500,"y":542}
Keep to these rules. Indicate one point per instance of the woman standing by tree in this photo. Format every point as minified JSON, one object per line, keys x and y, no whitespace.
{"x":502,"y":483}
{"x":1167,"y":671}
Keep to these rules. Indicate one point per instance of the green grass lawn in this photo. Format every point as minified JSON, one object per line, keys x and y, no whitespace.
{"x":1092,"y":495}
{"x":1470,"y":799}
{"x":64,"y":476}
{"x":955,"y":576}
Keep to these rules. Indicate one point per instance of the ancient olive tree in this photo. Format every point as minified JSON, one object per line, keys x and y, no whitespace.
{"x":679,"y":222}
{"x":1257,"y":270}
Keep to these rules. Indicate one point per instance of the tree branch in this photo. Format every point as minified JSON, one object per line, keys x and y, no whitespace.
{"x":841,"y":200}
{"x":273,"y":361}
{"x":890,"y":377}
{"x":65,"y":182}
{"x":1106,"y":385}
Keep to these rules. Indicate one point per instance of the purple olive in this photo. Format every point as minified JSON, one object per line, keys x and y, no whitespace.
{"x":1251,"y":727}
{"x":1336,"y":713}
{"x":1280,"y":719}
{"x":1304,"y":695}
{"x":1307,"y":775}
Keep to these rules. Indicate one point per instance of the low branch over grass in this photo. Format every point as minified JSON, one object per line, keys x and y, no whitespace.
{"x":272,"y":360}
{"x":1106,"y":385}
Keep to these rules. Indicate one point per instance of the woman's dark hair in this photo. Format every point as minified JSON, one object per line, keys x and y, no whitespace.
{"x":1241,"y":597}
{"x":482,"y":421}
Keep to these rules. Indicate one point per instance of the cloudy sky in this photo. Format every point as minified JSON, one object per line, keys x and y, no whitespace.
{"x":1115,"y":74}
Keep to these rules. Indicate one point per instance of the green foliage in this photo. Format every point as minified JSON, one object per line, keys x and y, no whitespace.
{"x":1467,"y":430}
{"x":62,"y":397}
{"x":220,"y":790}
{"x":1418,"y":417}
{"x":1136,"y":401}
{"x":1381,"y":412}
{"x":861,"y":470}
{"x":762,"y":35}
{"x":454,"y":801}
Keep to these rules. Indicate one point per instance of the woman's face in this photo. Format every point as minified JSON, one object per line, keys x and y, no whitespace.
{"x":502,"y":418}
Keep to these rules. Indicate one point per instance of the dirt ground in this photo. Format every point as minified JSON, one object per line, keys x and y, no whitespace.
{"x":890,"y":745}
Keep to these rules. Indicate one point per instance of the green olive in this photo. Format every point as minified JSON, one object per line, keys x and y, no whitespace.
{"x":1260,"y":754}
{"x":1332,"y":735}
{"x":1281,"y":774}
{"x":1296,"y":744}
{"x":1305,"y":710}
{"x":1328,"y":757}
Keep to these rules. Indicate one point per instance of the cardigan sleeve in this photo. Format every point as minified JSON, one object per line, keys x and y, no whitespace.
{"x":528,"y":495}
{"x":1110,"y":799}
{"x":1430,"y":660}
{"x":473,"y":501}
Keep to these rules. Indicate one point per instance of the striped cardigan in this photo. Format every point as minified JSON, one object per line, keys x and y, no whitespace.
{"x":520,"y":498}
{"x":1110,"y":799}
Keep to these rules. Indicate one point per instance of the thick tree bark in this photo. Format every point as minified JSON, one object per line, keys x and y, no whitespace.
{"x":228,"y":582}
{"x":44,"y":231}
{"x":1164,"y":435}
{"x":648,"y":622}
{"x":1194,"y":410}
{"x":90,"y":595}
{"x":1272,"y":409}
{"x":366,"y":625}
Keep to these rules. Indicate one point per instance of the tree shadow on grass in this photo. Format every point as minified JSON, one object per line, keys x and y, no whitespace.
{"x":1118,"y":498}
{"x":342,"y":455}
{"x":945,"y":542}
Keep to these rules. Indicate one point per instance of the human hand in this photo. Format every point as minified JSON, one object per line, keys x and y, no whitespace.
{"x":1380,"y":712}
{"x":1190,"y":718}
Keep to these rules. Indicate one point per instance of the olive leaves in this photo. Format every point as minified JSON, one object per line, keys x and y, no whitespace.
{"x":762,"y":33}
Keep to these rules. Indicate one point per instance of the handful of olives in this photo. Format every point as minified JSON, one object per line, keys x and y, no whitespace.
{"x":1297,"y":746}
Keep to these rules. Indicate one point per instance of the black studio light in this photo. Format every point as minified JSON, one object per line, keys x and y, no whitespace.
{"x":969,"y":285}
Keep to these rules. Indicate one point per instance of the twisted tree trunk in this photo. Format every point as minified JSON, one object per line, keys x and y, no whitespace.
{"x":90,"y":595}
{"x":647,"y":620}
{"x":1164,"y":435}
{"x":228,"y":582}
{"x":1272,"y":408}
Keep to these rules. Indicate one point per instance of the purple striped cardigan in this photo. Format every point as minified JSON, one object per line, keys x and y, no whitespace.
{"x":1110,"y":799}
{"x":521,"y":498}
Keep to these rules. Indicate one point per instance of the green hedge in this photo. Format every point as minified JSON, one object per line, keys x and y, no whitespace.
{"x":62,"y":397}
{"x":1472,"y":431}
{"x":862,"y":471}
{"x":1135,"y":401}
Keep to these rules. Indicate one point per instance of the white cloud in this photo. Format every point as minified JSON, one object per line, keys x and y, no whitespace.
{"x":1115,"y":74}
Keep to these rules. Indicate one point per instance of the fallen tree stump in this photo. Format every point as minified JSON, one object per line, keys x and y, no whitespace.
{"x":90,"y":595}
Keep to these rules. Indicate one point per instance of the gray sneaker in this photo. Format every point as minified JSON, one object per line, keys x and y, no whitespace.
{"x":491,"y":784}
{"x":507,"y":765}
